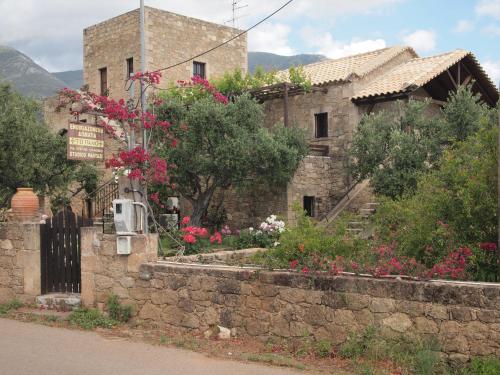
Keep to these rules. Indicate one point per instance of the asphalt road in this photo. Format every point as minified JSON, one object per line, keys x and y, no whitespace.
{"x":32,"y":349}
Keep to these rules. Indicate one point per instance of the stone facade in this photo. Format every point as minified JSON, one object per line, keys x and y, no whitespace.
{"x":19,"y":261}
{"x":170,"y":38}
{"x":463,"y":316}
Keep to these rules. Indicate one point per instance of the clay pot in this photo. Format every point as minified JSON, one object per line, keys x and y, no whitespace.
{"x":24,"y":204}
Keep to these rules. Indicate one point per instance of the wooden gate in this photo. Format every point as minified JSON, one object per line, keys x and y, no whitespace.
{"x":60,"y":253}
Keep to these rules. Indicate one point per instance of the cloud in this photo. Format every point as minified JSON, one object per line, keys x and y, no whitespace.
{"x":271,"y":37}
{"x":493,"y":70}
{"x":489,"y":8}
{"x":327,"y":45}
{"x":421,"y":40}
{"x":492,"y":30}
{"x":463,"y":26}
{"x":50,"y":31}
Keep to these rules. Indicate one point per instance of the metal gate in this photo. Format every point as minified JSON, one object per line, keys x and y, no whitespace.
{"x":60,"y":253}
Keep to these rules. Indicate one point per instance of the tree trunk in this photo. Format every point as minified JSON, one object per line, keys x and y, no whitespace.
{"x":200,"y":207}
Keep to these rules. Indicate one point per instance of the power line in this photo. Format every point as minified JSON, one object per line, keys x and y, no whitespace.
{"x":229,"y":40}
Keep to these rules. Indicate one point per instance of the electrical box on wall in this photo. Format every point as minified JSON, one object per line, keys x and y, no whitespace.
{"x":123,"y":245}
{"x":123,"y":212}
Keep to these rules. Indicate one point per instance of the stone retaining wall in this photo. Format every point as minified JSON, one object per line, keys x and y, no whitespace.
{"x":19,"y":261}
{"x":464,"y":317}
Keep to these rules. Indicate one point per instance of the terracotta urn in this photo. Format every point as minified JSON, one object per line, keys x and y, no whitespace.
{"x":24,"y":204}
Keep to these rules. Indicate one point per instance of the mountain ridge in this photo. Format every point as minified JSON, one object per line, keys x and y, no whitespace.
{"x":30,"y":79}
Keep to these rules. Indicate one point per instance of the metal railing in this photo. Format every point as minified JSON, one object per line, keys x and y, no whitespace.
{"x":100,"y":200}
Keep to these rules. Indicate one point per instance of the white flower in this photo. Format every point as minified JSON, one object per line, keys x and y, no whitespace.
{"x":250,"y":229}
{"x":276,"y":244}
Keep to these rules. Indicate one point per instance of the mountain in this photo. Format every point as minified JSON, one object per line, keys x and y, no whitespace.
{"x":271,"y":61}
{"x":31,"y":79}
{"x":25,"y":75}
{"x":72,"y":78}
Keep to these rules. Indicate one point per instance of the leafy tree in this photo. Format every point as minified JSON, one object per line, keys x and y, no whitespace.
{"x":32,"y":156}
{"x":391,"y":148}
{"x":224,"y":144}
{"x":236,"y":83}
{"x":454,"y":205}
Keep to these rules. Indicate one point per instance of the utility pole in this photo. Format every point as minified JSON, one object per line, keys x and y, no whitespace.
{"x":143,"y":105}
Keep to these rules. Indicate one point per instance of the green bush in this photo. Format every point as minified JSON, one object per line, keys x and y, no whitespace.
{"x":90,"y":319}
{"x":117,"y":311}
{"x":12,"y":305}
{"x":453,"y":206}
{"x":323,"y":348}
{"x":309,"y":244}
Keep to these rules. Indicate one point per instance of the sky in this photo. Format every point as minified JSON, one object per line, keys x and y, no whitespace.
{"x":50,"y":31}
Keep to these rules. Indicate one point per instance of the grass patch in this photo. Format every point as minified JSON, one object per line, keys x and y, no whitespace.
{"x":90,"y":319}
{"x":483,"y":366}
{"x":12,"y":305}
{"x":415,"y":357}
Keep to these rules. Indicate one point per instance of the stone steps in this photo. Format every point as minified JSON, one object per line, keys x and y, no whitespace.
{"x":59,"y":301}
{"x":360,"y":228}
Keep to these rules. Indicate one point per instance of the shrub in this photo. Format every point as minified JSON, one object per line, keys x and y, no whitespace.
{"x":311,"y":246}
{"x":454,"y":206}
{"x":12,"y":305}
{"x":117,"y":311}
{"x":90,"y":319}
{"x":323,"y":348}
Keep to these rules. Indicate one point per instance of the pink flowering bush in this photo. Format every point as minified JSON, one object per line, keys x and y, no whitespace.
{"x":197,"y":239}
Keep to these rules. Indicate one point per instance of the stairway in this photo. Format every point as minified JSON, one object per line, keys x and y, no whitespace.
{"x":360,"y":226}
{"x":97,"y":204}
{"x":58,"y":301}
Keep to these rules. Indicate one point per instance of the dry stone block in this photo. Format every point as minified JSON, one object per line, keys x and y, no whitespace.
{"x":424,"y":325}
{"x":382,"y":305}
{"x":398,"y":322}
{"x":150,"y":312}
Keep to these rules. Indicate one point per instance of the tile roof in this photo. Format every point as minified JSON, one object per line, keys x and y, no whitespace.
{"x":414,"y":73}
{"x":338,"y":70}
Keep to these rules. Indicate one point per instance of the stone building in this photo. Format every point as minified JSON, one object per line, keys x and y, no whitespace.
{"x":111,"y":49}
{"x":343,"y":90}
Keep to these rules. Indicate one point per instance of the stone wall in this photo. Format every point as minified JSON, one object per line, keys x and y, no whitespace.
{"x":463,"y":316}
{"x":19,"y":261}
{"x":104,"y":271}
{"x":170,"y":38}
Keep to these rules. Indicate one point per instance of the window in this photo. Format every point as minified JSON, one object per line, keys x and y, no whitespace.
{"x":103,"y":73}
{"x":309,"y":205}
{"x":199,"y":69}
{"x":321,"y":121}
{"x":130,"y":67}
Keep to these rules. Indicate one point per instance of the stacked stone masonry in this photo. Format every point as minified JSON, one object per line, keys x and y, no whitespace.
{"x":464,"y":317}
{"x":170,"y":39}
{"x":19,"y":261}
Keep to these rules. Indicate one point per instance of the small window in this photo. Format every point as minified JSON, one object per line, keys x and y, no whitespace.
{"x":130,"y":67}
{"x":103,"y":74}
{"x":199,"y":69}
{"x":309,"y":205}
{"x":321,"y":121}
